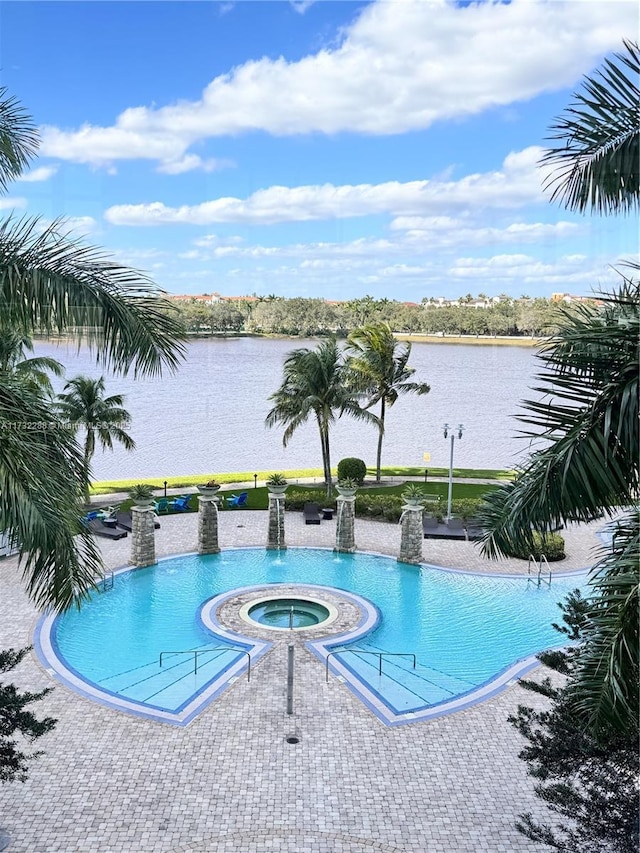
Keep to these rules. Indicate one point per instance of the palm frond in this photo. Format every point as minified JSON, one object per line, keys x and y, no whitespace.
{"x":588,"y":422}
{"x":18,"y":139}
{"x":599,"y":156}
{"x":41,"y":480}
{"x":51,"y":283}
{"x":605,"y":689}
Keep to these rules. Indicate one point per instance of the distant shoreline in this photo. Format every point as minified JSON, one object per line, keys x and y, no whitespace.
{"x":414,"y":337}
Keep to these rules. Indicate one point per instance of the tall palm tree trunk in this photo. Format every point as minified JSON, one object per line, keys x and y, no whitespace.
{"x":380,"y":438}
{"x":89,"y":448}
{"x":326,"y":455}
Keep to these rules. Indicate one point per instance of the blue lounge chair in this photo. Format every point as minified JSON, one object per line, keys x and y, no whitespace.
{"x":181,"y":504}
{"x":161,"y":505}
{"x":238,"y":500}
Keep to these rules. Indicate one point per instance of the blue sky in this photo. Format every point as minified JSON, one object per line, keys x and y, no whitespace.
{"x":329,"y":149}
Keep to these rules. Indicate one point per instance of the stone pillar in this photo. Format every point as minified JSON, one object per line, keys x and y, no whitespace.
{"x":207,"y":526}
{"x":412,"y":534}
{"x":345,"y":524}
{"x":275,"y":533}
{"x":143,"y":536}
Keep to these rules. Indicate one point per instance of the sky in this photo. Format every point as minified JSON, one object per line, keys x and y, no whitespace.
{"x":315,"y":149}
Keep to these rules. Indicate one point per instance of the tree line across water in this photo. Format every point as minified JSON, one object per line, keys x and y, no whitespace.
{"x":277,"y":315}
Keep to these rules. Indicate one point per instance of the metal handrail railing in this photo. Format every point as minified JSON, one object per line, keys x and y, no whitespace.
{"x":196,"y":652}
{"x":380,"y":655}
{"x":532,"y":559}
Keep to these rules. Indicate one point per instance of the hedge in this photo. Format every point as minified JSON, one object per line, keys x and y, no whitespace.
{"x":551,"y":546}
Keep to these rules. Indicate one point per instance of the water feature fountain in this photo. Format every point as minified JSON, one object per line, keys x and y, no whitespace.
{"x":412,"y":534}
{"x":345,"y":524}
{"x":207,"y":525}
{"x":275,"y":533}
{"x":143,"y":538}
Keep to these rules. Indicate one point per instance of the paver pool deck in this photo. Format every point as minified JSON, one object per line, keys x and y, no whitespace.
{"x":230,"y":782}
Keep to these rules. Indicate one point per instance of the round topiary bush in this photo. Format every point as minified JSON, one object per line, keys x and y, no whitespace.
{"x":551,"y":546}
{"x":351,"y":468}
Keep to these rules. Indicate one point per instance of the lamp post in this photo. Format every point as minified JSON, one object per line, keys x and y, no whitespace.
{"x":447,"y":429}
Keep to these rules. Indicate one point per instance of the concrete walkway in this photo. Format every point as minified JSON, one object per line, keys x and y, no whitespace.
{"x":231,"y":783}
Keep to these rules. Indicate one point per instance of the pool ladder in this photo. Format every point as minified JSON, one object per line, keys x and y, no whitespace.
{"x":539,"y":577}
{"x":379,"y":655}
{"x":107,"y":582}
{"x":196,"y":652}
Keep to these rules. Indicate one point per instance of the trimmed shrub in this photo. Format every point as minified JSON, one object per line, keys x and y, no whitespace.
{"x":551,"y":546}
{"x":296,"y":499}
{"x":351,"y":468}
{"x":466,"y":508}
{"x":387,"y":507}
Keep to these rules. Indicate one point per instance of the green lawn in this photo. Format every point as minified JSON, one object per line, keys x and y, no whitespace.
{"x":106,"y":487}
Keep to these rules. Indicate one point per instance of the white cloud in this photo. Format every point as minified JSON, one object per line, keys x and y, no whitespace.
{"x":301,"y":6}
{"x":398,"y":67}
{"x":42,"y":173}
{"x":516,"y":184}
{"x":190,"y":162}
{"x":15,"y":203}
{"x":79,"y":225}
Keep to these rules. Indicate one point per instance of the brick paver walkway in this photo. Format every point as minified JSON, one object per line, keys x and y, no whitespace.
{"x":231,"y":783}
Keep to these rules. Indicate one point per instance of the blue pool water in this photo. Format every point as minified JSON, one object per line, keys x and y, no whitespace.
{"x":463,"y":628}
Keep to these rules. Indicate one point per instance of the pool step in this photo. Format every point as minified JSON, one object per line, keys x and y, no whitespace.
{"x":171,"y":685}
{"x":400,"y":686}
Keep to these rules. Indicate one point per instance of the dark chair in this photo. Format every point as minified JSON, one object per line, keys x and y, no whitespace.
{"x":474,"y":531}
{"x":99,"y":528}
{"x":311,"y":513}
{"x":123,"y":520}
{"x":429,"y":522}
{"x":237,"y":501}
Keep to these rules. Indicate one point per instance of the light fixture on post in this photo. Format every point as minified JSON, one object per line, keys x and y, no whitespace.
{"x":447,"y":429}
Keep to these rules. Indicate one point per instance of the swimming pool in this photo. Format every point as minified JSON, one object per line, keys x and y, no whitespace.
{"x":471,"y":634}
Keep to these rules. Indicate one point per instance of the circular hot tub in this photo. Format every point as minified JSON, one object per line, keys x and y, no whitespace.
{"x":288,"y":613}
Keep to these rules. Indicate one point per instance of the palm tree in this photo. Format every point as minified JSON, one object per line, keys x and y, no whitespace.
{"x":314,"y":385}
{"x":83,"y":404}
{"x":589,"y":419}
{"x":591,"y":463}
{"x":14,"y":346}
{"x":598,"y":157}
{"x":51,"y":283}
{"x":378,"y":366}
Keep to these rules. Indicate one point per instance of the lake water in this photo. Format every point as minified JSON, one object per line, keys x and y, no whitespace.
{"x":209,"y":416}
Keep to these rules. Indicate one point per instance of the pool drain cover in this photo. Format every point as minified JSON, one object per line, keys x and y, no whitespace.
{"x":293,"y":739}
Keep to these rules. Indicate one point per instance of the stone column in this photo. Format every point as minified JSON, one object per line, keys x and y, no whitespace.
{"x":412,"y":534}
{"x":275,"y":533}
{"x":143,"y":536}
{"x":345,"y":524}
{"x":207,"y":526}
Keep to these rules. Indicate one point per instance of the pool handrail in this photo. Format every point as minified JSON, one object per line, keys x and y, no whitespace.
{"x":196,"y":652}
{"x":380,"y":655}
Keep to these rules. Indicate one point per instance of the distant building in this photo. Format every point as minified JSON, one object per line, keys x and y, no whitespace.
{"x":570,"y":297}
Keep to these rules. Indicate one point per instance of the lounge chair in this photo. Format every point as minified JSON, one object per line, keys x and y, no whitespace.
{"x":237,"y":501}
{"x":474,"y":531}
{"x":99,"y":528}
{"x":180,"y":504}
{"x":124,"y":520}
{"x":161,"y":505}
{"x":431,"y":529}
{"x":311,"y":513}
